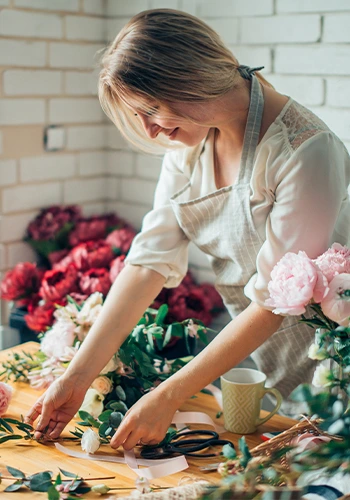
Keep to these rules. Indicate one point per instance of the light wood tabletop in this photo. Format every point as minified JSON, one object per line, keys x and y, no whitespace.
{"x":32,"y":457}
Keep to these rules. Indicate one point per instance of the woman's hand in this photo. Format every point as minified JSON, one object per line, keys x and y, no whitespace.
{"x":146,"y":422}
{"x":57,"y":406}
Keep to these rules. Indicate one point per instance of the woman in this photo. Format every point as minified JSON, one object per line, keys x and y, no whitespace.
{"x":249,"y":175}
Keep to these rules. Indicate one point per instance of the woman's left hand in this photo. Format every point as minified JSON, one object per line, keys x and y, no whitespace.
{"x":146,"y":422}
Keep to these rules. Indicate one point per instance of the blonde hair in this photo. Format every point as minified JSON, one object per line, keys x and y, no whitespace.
{"x":160,"y":57}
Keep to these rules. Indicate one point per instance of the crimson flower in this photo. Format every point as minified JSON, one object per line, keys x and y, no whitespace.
{"x":95,"y":280}
{"x":92,"y":254}
{"x":51,"y":220}
{"x":187,"y":303}
{"x":21,"y":282}
{"x":87,"y":230}
{"x":117,"y":265}
{"x":40,"y":317}
{"x":121,"y":239}
{"x":56,"y":283}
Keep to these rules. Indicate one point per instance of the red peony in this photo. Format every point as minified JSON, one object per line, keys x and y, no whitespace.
{"x":56,"y":283}
{"x":214,"y":297}
{"x":51,"y":220}
{"x":187,"y":303}
{"x":117,"y":265}
{"x":57,"y":256}
{"x":87,"y":230}
{"x":39,"y":318}
{"x":121,"y":239}
{"x":21,"y":282}
{"x":64,"y":263}
{"x":92,"y":254}
{"x":95,"y":280}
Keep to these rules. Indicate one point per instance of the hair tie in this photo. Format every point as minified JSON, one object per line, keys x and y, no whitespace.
{"x":246,"y":72}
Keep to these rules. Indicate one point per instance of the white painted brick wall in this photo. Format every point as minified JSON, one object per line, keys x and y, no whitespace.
{"x":113,"y":189}
{"x":114,"y":26}
{"x":94,"y":7}
{"x":137,"y":191}
{"x":121,"y":163}
{"x":21,"y":198}
{"x":93,"y":209}
{"x":85,"y":190}
{"x":114,"y":138}
{"x":130,"y":211}
{"x":189,"y":6}
{"x":22,"y":53}
{"x":17,"y":23}
{"x":280,"y":29}
{"x":308,"y":90}
{"x":92,"y":163}
{"x":81,"y":83}
{"x":13,"y":227}
{"x":3,"y":260}
{"x":22,"y":111}
{"x":49,"y":167}
{"x":125,"y":8}
{"x":165,"y":4}
{"x":311,"y":5}
{"x":313,"y":60}
{"x":253,"y":56}
{"x":148,"y":166}
{"x":338,"y":92}
{"x":63,"y":5}
{"x":8,"y":172}
{"x":228,"y":29}
{"x":1,"y":143}
{"x":337,"y":120}
{"x":226,"y":8}
{"x":86,"y":137}
{"x":32,"y":82}
{"x":336,"y":28}
{"x":19,"y":252}
{"x":69,"y":55}
{"x":85,"y":28}
{"x":4,"y":3}
{"x":75,"y":110}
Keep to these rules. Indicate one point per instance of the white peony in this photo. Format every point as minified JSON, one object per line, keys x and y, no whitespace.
{"x":90,"y":441}
{"x":316,"y":353}
{"x":93,"y":402}
{"x":322,"y":376}
{"x":58,"y":338}
{"x":102,"y":384}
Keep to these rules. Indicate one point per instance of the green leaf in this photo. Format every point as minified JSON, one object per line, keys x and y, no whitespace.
{"x":203,"y":336}
{"x":116,"y":418}
{"x":103,"y":428}
{"x":10,"y":437}
{"x":67,"y":474}
{"x":161,"y":315}
{"x":14,"y":486}
{"x":84,"y":415}
{"x":52,"y":493}
{"x":7,"y":426}
{"x":41,"y":481}
{"x":302,"y":393}
{"x":119,"y":406}
{"x":104,"y":416}
{"x":120,"y":392}
{"x":15,"y":472}
{"x":228,"y":451}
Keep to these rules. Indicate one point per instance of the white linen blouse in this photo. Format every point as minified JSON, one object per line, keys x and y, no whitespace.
{"x":299,"y":198}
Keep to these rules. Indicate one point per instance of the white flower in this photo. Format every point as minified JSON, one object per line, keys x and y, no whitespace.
{"x":90,"y":442}
{"x":192,"y":329}
{"x":91,"y":308}
{"x":322,"y":376}
{"x":111,"y":366}
{"x":316,"y":353}
{"x":58,"y":338}
{"x":66,"y":313}
{"x":93,"y":403}
{"x":102,"y":384}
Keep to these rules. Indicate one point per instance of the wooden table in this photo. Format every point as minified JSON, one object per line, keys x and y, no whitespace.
{"x":32,"y":457}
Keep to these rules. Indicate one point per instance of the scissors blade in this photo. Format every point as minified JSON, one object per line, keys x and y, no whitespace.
{"x":209,"y":467}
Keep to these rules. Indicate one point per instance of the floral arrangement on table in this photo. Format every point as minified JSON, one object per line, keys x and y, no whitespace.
{"x":322,"y":442}
{"x":78,"y":256}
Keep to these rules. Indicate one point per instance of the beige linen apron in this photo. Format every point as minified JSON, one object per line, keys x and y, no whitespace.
{"x":221,"y":225}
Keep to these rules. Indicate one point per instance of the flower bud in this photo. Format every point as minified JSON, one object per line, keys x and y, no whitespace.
{"x":100,"y":488}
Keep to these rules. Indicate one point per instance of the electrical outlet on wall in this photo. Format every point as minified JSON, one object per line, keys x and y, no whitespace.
{"x":54,"y":138}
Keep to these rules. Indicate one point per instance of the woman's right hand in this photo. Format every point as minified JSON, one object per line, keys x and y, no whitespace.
{"x":56,"y":407}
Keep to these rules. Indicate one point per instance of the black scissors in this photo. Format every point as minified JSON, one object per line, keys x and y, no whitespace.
{"x":180,"y":445}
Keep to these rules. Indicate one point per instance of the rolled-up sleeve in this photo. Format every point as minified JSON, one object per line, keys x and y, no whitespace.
{"x":162,"y":245}
{"x":310,"y":199}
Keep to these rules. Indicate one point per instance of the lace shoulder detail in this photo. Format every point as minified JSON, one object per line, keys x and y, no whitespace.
{"x":301,"y":124}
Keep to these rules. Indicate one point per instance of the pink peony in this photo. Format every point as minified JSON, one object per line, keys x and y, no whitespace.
{"x":95,"y":280}
{"x":87,"y":230}
{"x":117,"y":265}
{"x":335,"y":306}
{"x":5,"y":397}
{"x":55,"y":341}
{"x":121,"y":239}
{"x":92,"y":254}
{"x":57,"y":256}
{"x":336,"y":260}
{"x":295,"y":280}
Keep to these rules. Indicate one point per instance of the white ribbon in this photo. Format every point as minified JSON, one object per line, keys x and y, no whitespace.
{"x":162,"y":467}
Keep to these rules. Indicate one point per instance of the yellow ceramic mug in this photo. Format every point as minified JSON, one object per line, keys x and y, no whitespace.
{"x":242,"y":392}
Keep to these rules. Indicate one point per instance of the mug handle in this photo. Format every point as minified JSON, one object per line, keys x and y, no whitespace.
{"x":279,"y":400}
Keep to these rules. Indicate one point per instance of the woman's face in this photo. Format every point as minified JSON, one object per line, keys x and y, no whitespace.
{"x":161,"y":120}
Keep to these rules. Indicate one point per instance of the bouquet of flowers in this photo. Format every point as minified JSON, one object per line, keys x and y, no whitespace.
{"x":323,"y":445}
{"x":80,"y":256}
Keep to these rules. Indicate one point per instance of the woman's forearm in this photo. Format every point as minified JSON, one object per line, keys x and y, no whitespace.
{"x":132,"y":292}
{"x":234,"y":343}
